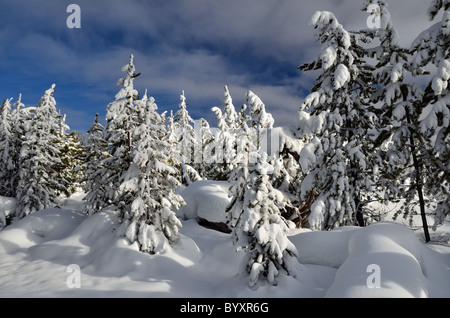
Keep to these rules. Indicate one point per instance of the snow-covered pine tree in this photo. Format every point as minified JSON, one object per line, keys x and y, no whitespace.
{"x":74,"y":150}
{"x":261,"y":121}
{"x":148,"y":188}
{"x":186,"y":141}
{"x":217,"y":155}
{"x":335,"y":161}
{"x":257,"y":226}
{"x":229,"y":111}
{"x":94,"y":186}
{"x":38,"y":186}
{"x":432,"y":48}
{"x":204,"y":153}
{"x":286,"y":178}
{"x":7,"y":150}
{"x":121,"y":122}
{"x":19,"y":116}
{"x":225,"y":138}
{"x":398,"y":151}
{"x":171,"y":139}
{"x":70,"y":169}
{"x":259,"y":116}
{"x":246,"y":149}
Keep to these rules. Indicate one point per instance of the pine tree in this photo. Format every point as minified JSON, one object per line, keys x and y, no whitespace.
{"x":204,"y":152}
{"x":75,"y":152}
{"x":186,"y":141}
{"x":229,"y":111}
{"x":39,"y":182}
{"x":335,"y":161}
{"x":225,"y":138}
{"x":93,"y":173}
{"x":261,"y":121}
{"x":257,"y":226}
{"x":148,"y":188}
{"x":432,"y":48}
{"x":121,"y":122}
{"x":70,"y":170}
{"x":397,"y":154}
{"x":19,"y":116}
{"x":414,"y":162}
{"x":7,"y":165}
{"x":171,"y":139}
{"x":246,"y":148}
{"x":286,"y":178}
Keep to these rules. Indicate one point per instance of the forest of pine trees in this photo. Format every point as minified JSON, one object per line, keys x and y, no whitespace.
{"x":371,"y":130}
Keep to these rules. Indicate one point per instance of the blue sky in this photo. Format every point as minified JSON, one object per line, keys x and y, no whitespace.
{"x":193,"y":45}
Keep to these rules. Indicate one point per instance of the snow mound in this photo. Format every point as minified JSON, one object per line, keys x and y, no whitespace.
{"x":333,"y":246}
{"x":387,"y":260}
{"x":37,"y":228}
{"x":205,"y":199}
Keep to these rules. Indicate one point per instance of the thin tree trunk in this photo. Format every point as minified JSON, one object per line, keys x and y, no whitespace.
{"x":359,"y":216}
{"x":418,"y":181}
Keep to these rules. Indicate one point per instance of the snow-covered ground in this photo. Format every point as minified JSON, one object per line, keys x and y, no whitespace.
{"x":40,"y":256}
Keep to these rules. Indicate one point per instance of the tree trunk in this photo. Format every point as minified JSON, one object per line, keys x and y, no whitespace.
{"x":418,"y":181}
{"x":359,"y":212}
{"x":359,"y":215}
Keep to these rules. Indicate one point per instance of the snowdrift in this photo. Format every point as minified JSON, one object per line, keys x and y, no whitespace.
{"x":205,"y":199}
{"x":37,"y":255}
{"x":384,"y":259}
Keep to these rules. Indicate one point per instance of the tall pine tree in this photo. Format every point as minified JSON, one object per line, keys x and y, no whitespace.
{"x":7,"y":150}
{"x":335,"y":161}
{"x":186,"y":141}
{"x":93,"y":180}
{"x":225,"y":138}
{"x":121,"y":122}
{"x":39,"y":184}
{"x":148,"y":186}
{"x":432,"y":48}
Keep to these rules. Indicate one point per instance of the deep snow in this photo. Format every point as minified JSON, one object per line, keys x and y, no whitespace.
{"x":37,"y":253}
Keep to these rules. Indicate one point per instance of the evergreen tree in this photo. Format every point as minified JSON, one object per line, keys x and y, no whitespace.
{"x":398,"y":150}
{"x":225,"y":138}
{"x":204,"y":153}
{"x":186,"y":141}
{"x":171,"y":139}
{"x":70,"y":170}
{"x":39,"y":182}
{"x":7,"y":165}
{"x":432,"y":48}
{"x":75,"y":164}
{"x":286,"y":178}
{"x":11,"y":138}
{"x":412,"y":152}
{"x":246,"y":149}
{"x":229,"y":111}
{"x":121,"y":122}
{"x":261,"y":121}
{"x":93,"y":174}
{"x":335,"y":161}
{"x":148,"y":188}
{"x":19,"y":116}
{"x":257,"y":226}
